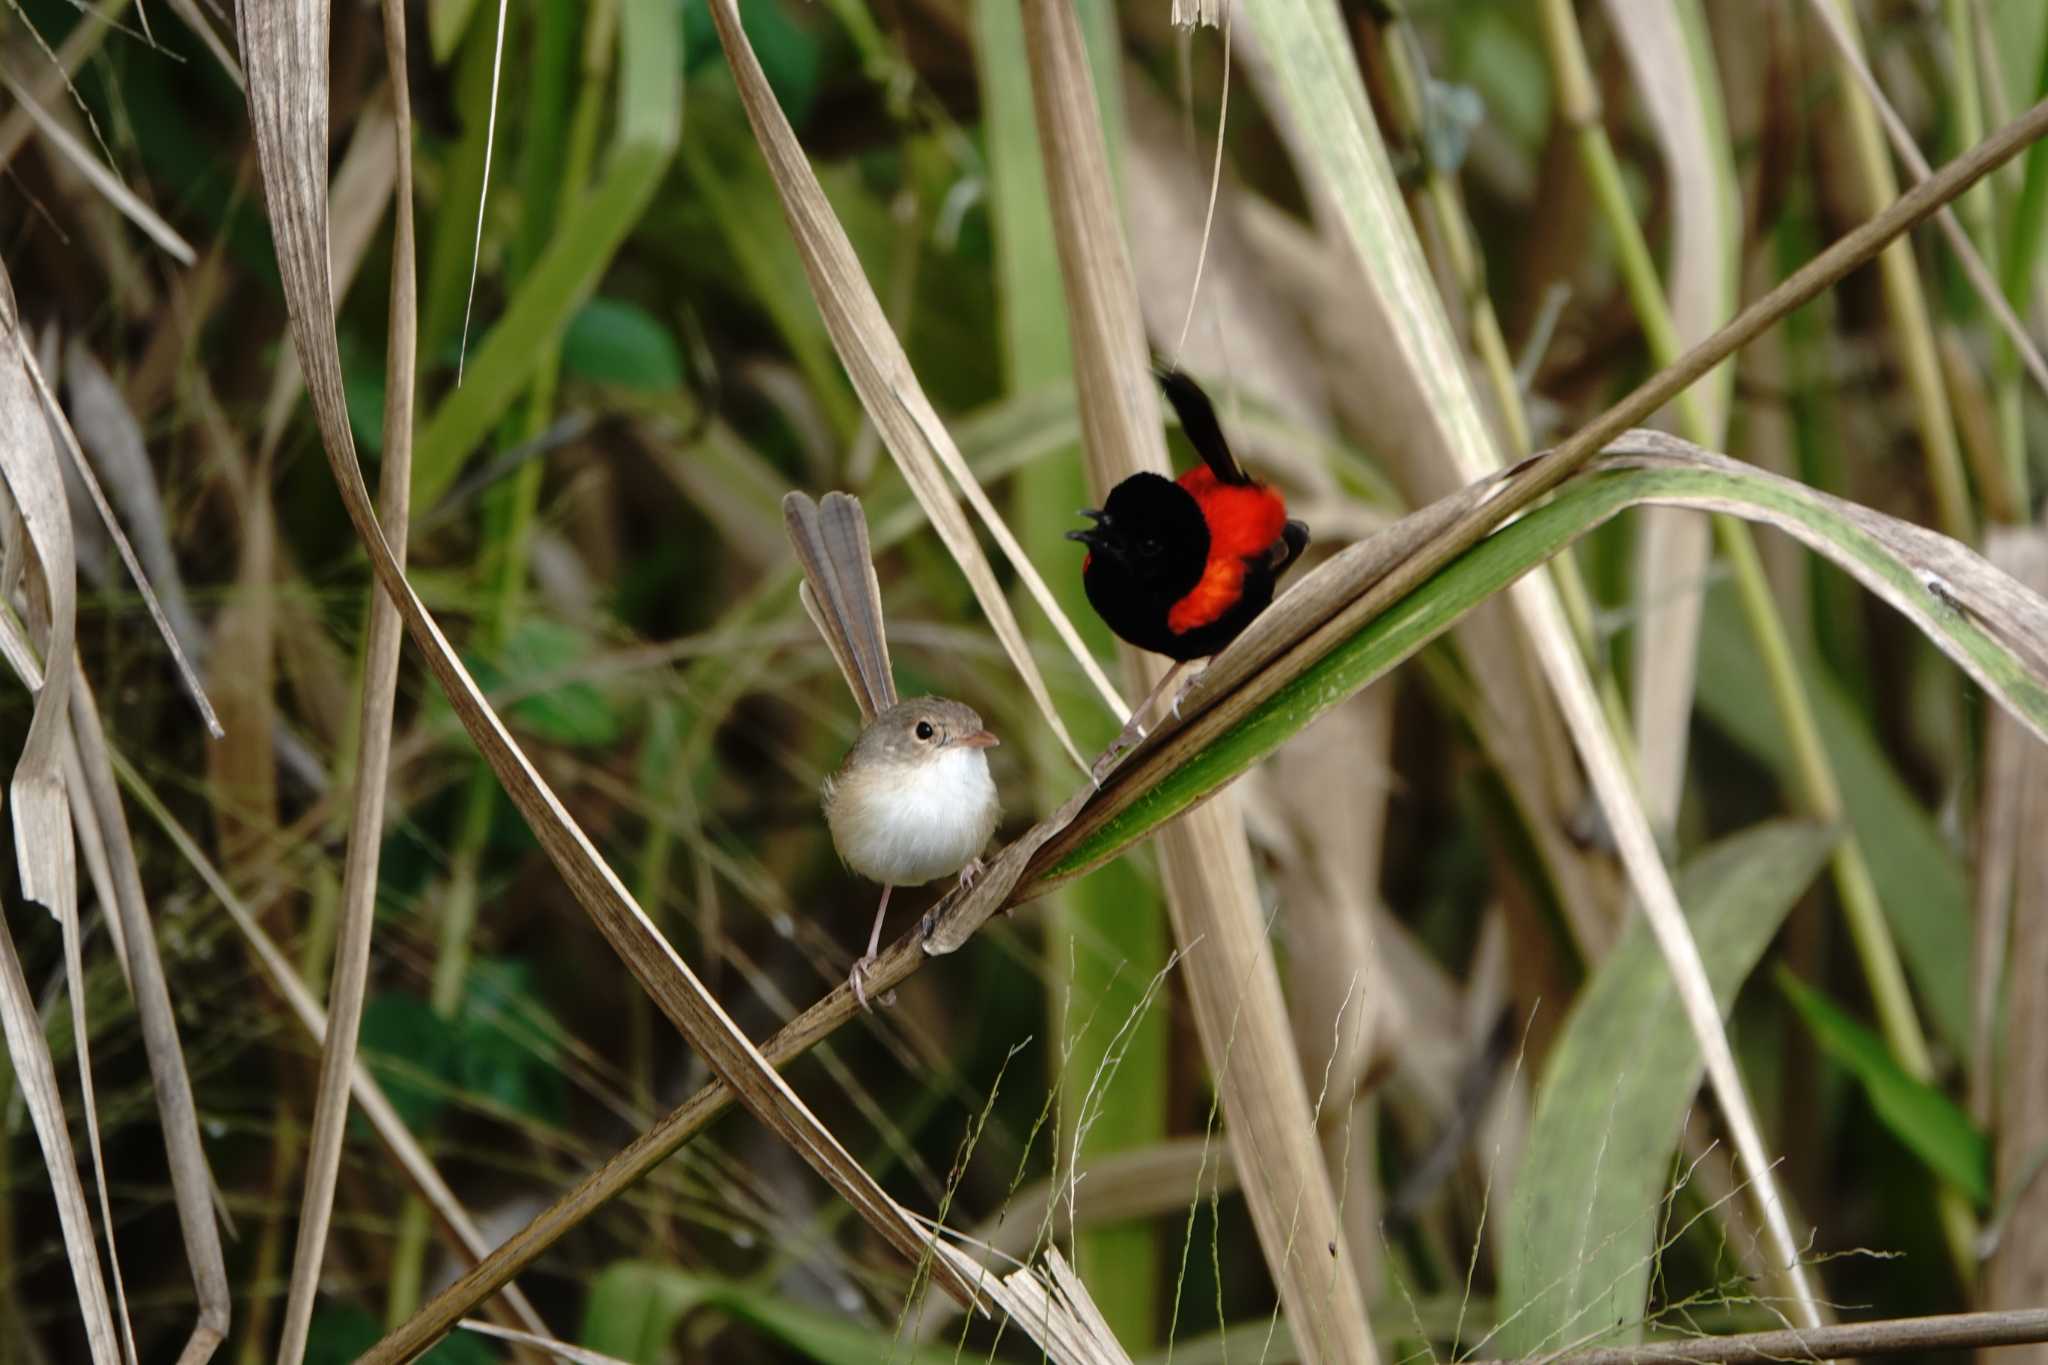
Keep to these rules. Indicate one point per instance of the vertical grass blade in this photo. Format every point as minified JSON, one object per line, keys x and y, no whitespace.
{"x":1206,"y":860}
{"x":350,"y":974}
{"x":1105,"y":937}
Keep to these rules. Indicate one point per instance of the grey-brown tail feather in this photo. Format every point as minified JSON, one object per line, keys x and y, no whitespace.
{"x":841,"y":593}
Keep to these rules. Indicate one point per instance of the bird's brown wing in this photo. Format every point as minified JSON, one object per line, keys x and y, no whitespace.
{"x":841,"y":593}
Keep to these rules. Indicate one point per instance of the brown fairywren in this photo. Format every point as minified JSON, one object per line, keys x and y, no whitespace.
{"x":913,"y":799}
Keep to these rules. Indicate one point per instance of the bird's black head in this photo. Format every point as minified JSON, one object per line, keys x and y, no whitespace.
{"x":1150,"y":534}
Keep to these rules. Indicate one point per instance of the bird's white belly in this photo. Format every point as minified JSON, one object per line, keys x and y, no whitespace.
{"x":908,"y":824}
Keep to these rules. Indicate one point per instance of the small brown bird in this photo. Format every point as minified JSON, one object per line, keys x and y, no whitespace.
{"x":913,"y":799}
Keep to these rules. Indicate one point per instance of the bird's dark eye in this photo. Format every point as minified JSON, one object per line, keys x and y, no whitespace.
{"x":1150,"y":547}
{"x":924,"y":729}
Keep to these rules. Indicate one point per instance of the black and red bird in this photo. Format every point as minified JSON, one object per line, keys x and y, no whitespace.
{"x":1181,"y":566}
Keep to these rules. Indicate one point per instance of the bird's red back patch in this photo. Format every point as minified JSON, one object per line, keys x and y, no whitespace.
{"x":1244,"y":519}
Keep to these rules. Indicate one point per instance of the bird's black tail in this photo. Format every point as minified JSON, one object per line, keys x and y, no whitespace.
{"x":1198,"y":420}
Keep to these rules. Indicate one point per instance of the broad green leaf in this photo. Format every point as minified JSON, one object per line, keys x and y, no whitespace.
{"x":790,"y":52}
{"x":1919,"y":880}
{"x":413,"y":1053}
{"x":636,"y":1306}
{"x":610,"y":341}
{"x":568,"y":713}
{"x":1582,"y":1233}
{"x":1928,"y":1122}
{"x":1977,"y":615}
{"x":506,"y":1054}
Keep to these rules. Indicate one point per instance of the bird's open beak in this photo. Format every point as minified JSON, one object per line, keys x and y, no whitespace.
{"x":1092,"y":537}
{"x":980,"y":739}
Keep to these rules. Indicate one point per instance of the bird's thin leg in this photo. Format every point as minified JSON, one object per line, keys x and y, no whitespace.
{"x":1181,"y":694}
{"x":857,"y":978}
{"x":1134,"y":728}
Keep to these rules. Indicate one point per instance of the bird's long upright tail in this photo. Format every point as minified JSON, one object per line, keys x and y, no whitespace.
{"x":841,"y":593}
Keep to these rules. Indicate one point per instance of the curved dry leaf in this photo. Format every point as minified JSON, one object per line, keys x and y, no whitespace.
{"x":1988,"y":622}
{"x":39,"y":563}
{"x":96,"y":807}
{"x":889,"y":390}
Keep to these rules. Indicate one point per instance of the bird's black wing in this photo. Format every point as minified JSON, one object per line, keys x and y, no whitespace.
{"x":1293,"y":540}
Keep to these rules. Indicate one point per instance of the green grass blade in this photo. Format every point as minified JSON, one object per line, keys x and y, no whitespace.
{"x":650,"y":121}
{"x":1582,"y":1233}
{"x":1920,"y":882}
{"x":1931,"y":1125}
{"x":1105,"y":937}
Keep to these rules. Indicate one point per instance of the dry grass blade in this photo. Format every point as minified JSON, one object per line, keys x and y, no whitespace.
{"x":285,"y":57}
{"x":119,"y":444}
{"x":1974,"y":269}
{"x":188,"y":10}
{"x":39,"y":564}
{"x":1671,"y":61}
{"x":96,"y":803}
{"x":362,"y":187}
{"x":351,"y":969}
{"x":42,"y":816}
{"x":390,"y":1129}
{"x":2009,"y":761}
{"x":2012,"y":978}
{"x":1205,"y":860}
{"x":1053,"y":1305}
{"x":1896,"y":1336}
{"x":1330,"y":787}
{"x":95,"y":171}
{"x":889,"y":390}
{"x":476,"y":246}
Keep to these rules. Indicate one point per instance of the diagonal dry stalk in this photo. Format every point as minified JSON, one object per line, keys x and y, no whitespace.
{"x":1894,"y":1336}
{"x":1848,"y":49}
{"x":349,"y":976}
{"x":286,"y":64}
{"x":466,"y":1237}
{"x":1369,"y":578}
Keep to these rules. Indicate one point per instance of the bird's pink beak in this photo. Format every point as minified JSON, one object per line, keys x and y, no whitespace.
{"x":980,"y":739}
